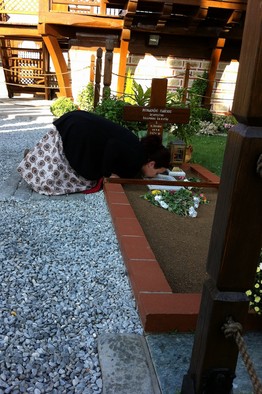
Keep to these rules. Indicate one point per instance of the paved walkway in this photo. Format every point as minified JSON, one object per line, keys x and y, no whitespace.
{"x":24,"y":106}
{"x":17,"y":189}
{"x":130,"y":364}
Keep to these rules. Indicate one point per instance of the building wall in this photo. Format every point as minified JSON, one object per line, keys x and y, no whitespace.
{"x":148,"y":66}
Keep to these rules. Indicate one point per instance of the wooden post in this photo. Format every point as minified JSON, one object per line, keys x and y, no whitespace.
{"x":236,"y":234}
{"x":92,"y":68}
{"x":185,"y":85}
{"x":99,"y":54}
{"x":212,"y":71}
{"x":157,"y":114}
{"x":108,"y":64}
{"x":124,"y":43}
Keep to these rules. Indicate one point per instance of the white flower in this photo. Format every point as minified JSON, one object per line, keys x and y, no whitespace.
{"x":158,"y":197}
{"x":163,"y":204}
{"x":192,"y":212}
{"x":196,"y":202}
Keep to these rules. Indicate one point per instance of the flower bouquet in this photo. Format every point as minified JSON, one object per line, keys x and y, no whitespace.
{"x":183,"y":202}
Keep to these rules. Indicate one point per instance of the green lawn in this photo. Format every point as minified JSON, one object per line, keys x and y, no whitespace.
{"x":209,"y":151}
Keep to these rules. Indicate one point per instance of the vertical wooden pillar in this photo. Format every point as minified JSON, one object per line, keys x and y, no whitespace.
{"x":46,"y":71}
{"x":235,"y":242}
{"x":99,"y":54}
{"x":185,"y":85}
{"x":108,"y":64}
{"x":122,"y":61}
{"x":212,"y":71}
{"x":92,"y":68}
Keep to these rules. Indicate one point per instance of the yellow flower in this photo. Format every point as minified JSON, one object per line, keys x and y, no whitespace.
{"x":248,"y":292}
{"x":257,"y":299}
{"x":156,"y":192}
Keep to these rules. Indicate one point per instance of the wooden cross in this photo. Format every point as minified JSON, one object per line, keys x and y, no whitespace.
{"x":157,"y":114}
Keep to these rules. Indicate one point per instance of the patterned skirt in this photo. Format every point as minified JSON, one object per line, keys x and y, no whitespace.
{"x":46,"y":169}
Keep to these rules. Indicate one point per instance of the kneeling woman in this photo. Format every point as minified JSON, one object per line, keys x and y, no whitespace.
{"x":82,"y":148}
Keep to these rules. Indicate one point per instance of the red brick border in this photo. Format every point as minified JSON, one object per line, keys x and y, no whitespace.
{"x":160,"y":310}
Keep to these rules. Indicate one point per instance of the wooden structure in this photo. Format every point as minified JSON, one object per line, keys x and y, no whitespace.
{"x":235,"y":243}
{"x":208,"y":29}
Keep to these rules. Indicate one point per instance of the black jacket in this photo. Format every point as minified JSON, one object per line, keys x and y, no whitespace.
{"x":97,"y":147}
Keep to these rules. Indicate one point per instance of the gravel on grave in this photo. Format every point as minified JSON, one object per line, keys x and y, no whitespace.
{"x":63,"y":282}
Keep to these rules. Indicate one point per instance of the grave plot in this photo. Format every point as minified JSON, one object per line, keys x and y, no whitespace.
{"x":161,"y":308}
{"x":153,"y":242}
{"x":180,"y":244}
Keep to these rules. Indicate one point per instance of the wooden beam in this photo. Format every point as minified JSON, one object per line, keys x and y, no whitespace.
{"x":159,"y":182}
{"x":62,"y":73}
{"x":201,"y":31}
{"x":51,"y":30}
{"x":208,"y":3}
{"x":212,"y":71}
{"x":18,"y":31}
{"x":72,"y":19}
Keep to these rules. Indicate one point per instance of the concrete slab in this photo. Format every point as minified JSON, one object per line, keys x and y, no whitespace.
{"x":171,"y":353}
{"x":126,"y":365}
{"x":133,"y":364}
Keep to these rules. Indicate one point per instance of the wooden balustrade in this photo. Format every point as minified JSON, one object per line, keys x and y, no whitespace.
{"x":23,"y":7}
{"x":79,"y":7}
{"x":26,"y":71}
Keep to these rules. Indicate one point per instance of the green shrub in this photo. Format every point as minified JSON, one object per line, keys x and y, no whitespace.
{"x":174,"y":99}
{"x":85,"y":98}
{"x":62,"y":105}
{"x":198,"y":90}
{"x":185,"y":132}
{"x":111,"y":108}
{"x":203,"y":114}
{"x":224,"y":122}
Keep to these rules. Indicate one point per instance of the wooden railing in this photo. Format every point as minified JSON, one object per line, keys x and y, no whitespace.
{"x":84,"y":7}
{"x":80,"y":7}
{"x":23,"y":7}
{"x":26,"y":72}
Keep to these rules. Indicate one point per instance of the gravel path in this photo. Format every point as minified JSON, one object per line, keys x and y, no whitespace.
{"x":63,"y":281}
